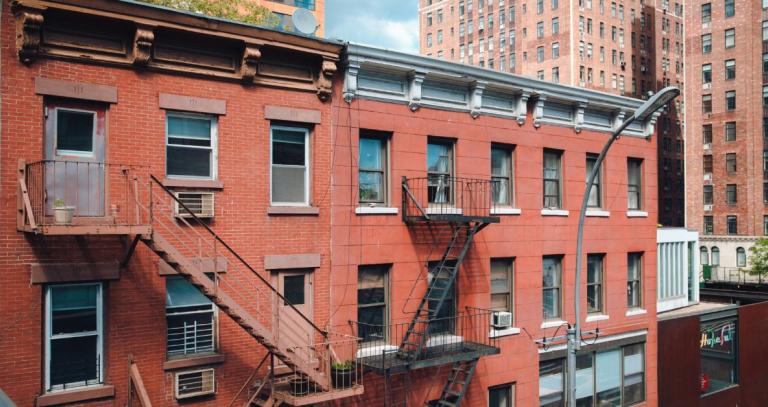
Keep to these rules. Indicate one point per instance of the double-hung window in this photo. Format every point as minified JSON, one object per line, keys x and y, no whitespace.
{"x":634,"y":184}
{"x":552,"y":279}
{"x":706,"y":73}
{"x":730,"y":194}
{"x":730,"y":69}
{"x":706,"y":43}
{"x":709,"y":225}
{"x":595,"y":194}
{"x":730,"y":131}
{"x":502,"y":176}
{"x":191,"y":145}
{"x":290,"y":165}
{"x":440,"y":171}
{"x":730,"y":8}
{"x":502,"y":298}
{"x":708,"y":194}
{"x":730,"y":38}
{"x":730,"y":100}
{"x":372,"y":302}
{"x":595,"y":279}
{"x":706,"y":13}
{"x":74,"y":336}
{"x":190,"y":317}
{"x":732,"y":224}
{"x":552,"y":179}
{"x":372,"y":168}
{"x":730,"y":163}
{"x":634,"y":280}
{"x":741,"y":257}
{"x":502,"y":396}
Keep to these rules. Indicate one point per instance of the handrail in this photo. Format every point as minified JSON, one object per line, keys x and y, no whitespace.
{"x":250,"y":378}
{"x":237,"y":256}
{"x":136,"y":383}
{"x":413,"y":198}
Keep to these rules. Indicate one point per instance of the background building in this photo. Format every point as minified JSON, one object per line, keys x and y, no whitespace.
{"x":285,"y":9}
{"x":625,"y":48}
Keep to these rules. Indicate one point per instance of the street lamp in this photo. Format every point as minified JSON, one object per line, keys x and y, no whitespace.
{"x":656,"y":102}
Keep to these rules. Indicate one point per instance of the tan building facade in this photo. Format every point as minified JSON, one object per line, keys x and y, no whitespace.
{"x":285,"y":9}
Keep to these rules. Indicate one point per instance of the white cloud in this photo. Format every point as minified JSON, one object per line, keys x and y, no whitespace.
{"x":362,"y":22}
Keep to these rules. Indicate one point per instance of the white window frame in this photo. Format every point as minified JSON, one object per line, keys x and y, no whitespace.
{"x":307,"y":164}
{"x":214,"y":173}
{"x":74,"y":153}
{"x":385,"y":164}
{"x":48,"y":322}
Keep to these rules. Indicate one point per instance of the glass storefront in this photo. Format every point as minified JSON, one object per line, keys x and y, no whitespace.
{"x":718,"y":355}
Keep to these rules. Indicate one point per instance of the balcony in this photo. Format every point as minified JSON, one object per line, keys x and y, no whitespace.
{"x":440,"y":198}
{"x":463,"y":337}
{"x":80,"y":198}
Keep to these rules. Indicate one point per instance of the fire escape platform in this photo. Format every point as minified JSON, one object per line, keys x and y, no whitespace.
{"x":395,"y":361}
{"x":92,"y":229}
{"x":283,"y":393}
{"x":452,"y":218}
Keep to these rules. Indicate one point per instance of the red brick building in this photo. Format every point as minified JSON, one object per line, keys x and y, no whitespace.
{"x":417,"y":145}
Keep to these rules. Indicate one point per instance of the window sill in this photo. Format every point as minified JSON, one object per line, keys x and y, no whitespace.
{"x":637,"y":214}
{"x":636,"y":311}
{"x":498,"y":333}
{"x":377,"y":350}
{"x":598,"y":213}
{"x":597,"y":317}
{"x":552,"y":324}
{"x":192,"y":183}
{"x":293,"y":210}
{"x":76,"y":395}
{"x":375,"y":210}
{"x":554,"y":212}
{"x":192,"y":361}
{"x":443,"y":210}
{"x":506,"y":211}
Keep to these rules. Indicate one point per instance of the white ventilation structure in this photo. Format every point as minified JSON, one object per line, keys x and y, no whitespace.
{"x":502,"y":319}
{"x":199,"y":203}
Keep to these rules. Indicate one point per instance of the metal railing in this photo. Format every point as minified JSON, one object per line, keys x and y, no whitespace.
{"x":191,"y":338}
{"x":730,"y":275}
{"x":136,"y":390}
{"x":436,"y":195}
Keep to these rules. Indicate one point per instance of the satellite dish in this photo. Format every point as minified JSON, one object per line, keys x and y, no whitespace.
{"x":304,"y":21}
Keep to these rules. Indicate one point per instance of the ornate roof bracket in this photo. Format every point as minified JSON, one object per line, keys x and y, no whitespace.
{"x":476,"y":99}
{"x":578,"y":122}
{"x":29,"y":24}
{"x":249,"y":65}
{"x":521,"y":107}
{"x":538,"y":111}
{"x":350,"y":81}
{"x":325,"y":79}
{"x":142,"y":44}
{"x":619,"y":119}
{"x":415,"y":80}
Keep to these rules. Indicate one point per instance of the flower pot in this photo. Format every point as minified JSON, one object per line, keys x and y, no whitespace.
{"x":62,"y":215}
{"x":342,"y":378}
{"x":299,"y":386}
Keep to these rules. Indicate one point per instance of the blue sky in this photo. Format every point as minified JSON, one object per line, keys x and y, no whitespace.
{"x":385,"y":23}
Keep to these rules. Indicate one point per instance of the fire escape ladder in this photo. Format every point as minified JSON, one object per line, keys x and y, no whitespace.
{"x":396,"y":389}
{"x":457,"y":384}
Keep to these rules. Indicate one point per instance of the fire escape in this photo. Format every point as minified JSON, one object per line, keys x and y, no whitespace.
{"x":127,"y":201}
{"x":452,"y":210}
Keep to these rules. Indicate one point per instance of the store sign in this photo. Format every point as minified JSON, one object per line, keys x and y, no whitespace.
{"x":718,"y":336}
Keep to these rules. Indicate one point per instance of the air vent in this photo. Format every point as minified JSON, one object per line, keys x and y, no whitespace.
{"x":502,"y":319}
{"x":194,"y":383}
{"x":199,"y":203}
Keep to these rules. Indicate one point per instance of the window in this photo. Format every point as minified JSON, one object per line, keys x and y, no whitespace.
{"x":730,"y":163}
{"x":730,"y":8}
{"x":730,"y":194}
{"x":634,"y":183}
{"x":741,"y":256}
{"x":706,"y":103}
{"x":552,"y":383}
{"x":190,"y":145}
{"x":715,"y":256}
{"x":730,"y":100}
{"x":706,"y":13}
{"x":555,"y":4}
{"x":730,"y":38}
{"x":539,"y":6}
{"x":74,"y":336}
{"x":539,"y":54}
{"x":706,"y":73}
{"x":551,"y":283}
{"x":765,"y":95}
{"x":765,"y":225}
{"x":75,"y":132}
{"x":556,"y":75}
{"x":595,"y":195}
{"x":634,"y":280}
{"x":540,"y":29}
{"x":709,"y":225}
{"x":595,"y":278}
{"x":730,"y":69}
{"x":429,"y":40}
{"x":706,"y":133}
{"x":765,"y":30}
{"x":732,"y":223}
{"x":719,"y":352}
{"x":429,"y":19}
{"x":555,"y":50}
{"x":708,"y":195}
{"x":290,"y":165}
{"x":447,"y":313}
{"x":704,"y":255}
{"x":552,"y":174}
{"x":440,"y":171}
{"x":372,"y":167}
{"x":634,"y":374}
{"x":372,"y":303}
{"x":555,"y":25}
{"x":708,"y":165}
{"x":706,"y":43}
{"x":502,"y":396}
{"x":502,"y":298}
{"x":190,"y":319}
{"x":730,"y":131}
{"x":501,"y":175}
{"x":439,"y":36}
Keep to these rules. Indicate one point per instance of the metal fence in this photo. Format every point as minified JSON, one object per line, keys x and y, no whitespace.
{"x":730,"y":275}
{"x":446,"y":195}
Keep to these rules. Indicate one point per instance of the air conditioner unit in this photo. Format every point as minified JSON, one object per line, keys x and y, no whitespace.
{"x":706,"y":86}
{"x":194,"y":383}
{"x":501,"y":319}
{"x":707,"y":207}
{"x":708,"y":176}
{"x":199,"y":203}
{"x":708,"y":146}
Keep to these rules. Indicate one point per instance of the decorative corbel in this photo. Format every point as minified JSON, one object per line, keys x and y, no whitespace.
{"x":415,"y":80}
{"x":250,"y":62}
{"x":325,"y":79}
{"x":142,"y":44}
{"x":619,"y":119}
{"x":538,"y":111}
{"x":522,"y":107}
{"x":578,"y":121}
{"x":29,"y":23}
{"x":350,"y":81}
{"x":476,"y":99}
{"x":649,"y":125}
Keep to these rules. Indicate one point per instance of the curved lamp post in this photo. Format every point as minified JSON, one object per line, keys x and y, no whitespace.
{"x":656,"y":102}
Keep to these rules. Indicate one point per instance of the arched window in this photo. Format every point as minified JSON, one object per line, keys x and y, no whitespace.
{"x":715,"y":256}
{"x":703,"y":256}
{"x":741,"y":257}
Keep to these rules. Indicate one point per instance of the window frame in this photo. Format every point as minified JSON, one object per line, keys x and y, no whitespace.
{"x":75,"y":153}
{"x":214,"y":149}
{"x":557,"y":288}
{"x":729,"y":66}
{"x":730,"y":100}
{"x":510,"y":293}
{"x":307,"y":164}
{"x":730,"y":131}
{"x":706,"y":43}
{"x":558,"y":179}
{"x":510,"y":389}
{"x":383,"y":138}
{"x":598,"y":182}
{"x":732,"y":220}
{"x":214,"y":323}
{"x":509,"y":152}
{"x":741,"y":257}
{"x":639,"y":187}
{"x":451,"y":195}
{"x":709,"y":225}
{"x":731,"y":194}
{"x":729,"y":33}
{"x":386,"y":270}
{"x":598,"y":283}
{"x":635,"y":284}
{"x":731,"y":158}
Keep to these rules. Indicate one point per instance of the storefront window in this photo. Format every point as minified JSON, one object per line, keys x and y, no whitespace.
{"x":718,"y":355}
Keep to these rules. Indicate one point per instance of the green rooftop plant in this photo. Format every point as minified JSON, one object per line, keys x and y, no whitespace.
{"x":245,"y":11}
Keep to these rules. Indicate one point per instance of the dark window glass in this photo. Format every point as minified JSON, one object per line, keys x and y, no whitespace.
{"x":707,"y":163}
{"x":709,"y":226}
{"x":440,"y":171}
{"x":501,"y":396}
{"x":730,"y":69}
{"x":732,"y":225}
{"x":730,"y":131}
{"x":189,"y":147}
{"x":595,"y":195}
{"x":74,"y":132}
{"x":730,"y":162}
{"x":706,"y":133}
{"x":730,"y":194}
{"x":730,"y":100}
{"x":293,"y":287}
{"x":190,"y":318}
{"x":552,"y":179}
{"x":595,"y":283}
{"x":730,"y":8}
{"x":634,"y":280}
{"x":707,"y":194}
{"x":372,"y":302}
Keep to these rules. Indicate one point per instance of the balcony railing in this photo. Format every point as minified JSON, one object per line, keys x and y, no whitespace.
{"x":446,"y":198}
{"x":81,"y":197}
{"x":445,"y":340}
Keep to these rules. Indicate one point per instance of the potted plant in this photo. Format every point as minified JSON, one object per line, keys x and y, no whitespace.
{"x":342,"y":374}
{"x":299,"y":386}
{"x":62,"y":214}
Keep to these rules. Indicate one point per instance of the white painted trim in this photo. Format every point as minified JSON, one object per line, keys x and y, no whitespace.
{"x":602,"y":339}
{"x":214,"y":170}
{"x":506,"y":211}
{"x":498,"y":333}
{"x":444,"y":210}
{"x":598,"y":213}
{"x":636,"y":311}
{"x":637,"y":214}
{"x":376,"y":210}
{"x":597,"y":317}
{"x":554,"y":212}
{"x":552,"y":324}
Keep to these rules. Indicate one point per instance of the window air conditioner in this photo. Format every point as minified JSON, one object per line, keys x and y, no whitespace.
{"x":708,"y":176}
{"x":501,"y":319}
{"x":194,"y":383}
{"x":199,"y":203}
{"x":707,"y":146}
{"x":707,"y":207}
{"x":706,"y":86}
